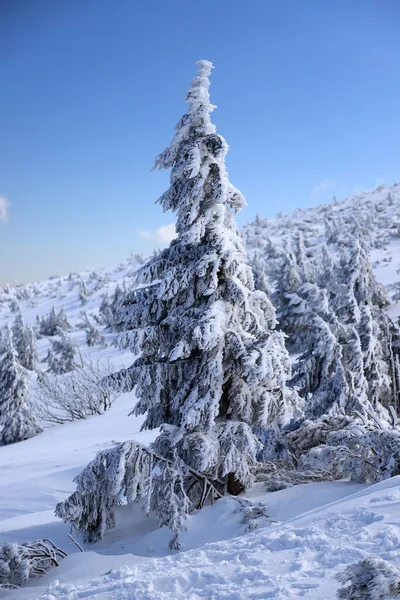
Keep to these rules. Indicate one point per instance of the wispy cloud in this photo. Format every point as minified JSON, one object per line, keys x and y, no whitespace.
{"x":4,"y":204}
{"x":163,"y":235}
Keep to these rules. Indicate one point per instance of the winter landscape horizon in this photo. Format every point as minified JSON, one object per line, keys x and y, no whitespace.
{"x":216,"y":416}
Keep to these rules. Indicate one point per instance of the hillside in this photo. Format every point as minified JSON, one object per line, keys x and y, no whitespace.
{"x":376,"y":214}
{"x":312,"y":531}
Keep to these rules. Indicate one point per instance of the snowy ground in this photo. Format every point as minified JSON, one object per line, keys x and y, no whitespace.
{"x":295,"y":559}
{"x":313,"y":532}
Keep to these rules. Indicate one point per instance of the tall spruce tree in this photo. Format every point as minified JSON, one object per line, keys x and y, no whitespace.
{"x":211,"y":368}
{"x":17,"y":422}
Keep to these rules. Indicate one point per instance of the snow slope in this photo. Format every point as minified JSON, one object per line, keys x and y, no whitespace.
{"x":295,"y":559}
{"x":375,"y":213}
{"x":313,"y":531}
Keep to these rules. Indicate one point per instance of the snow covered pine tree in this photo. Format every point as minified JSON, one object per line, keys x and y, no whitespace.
{"x":211,"y":369}
{"x":61,"y":356}
{"x":17,"y":422}
{"x":24,"y":342}
{"x":210,"y":366}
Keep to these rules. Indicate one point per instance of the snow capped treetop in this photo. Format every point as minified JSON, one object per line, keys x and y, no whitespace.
{"x":198,"y":116}
{"x":198,"y":95}
{"x":197,"y":157}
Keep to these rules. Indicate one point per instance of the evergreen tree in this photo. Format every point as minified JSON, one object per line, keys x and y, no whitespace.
{"x":305,"y":268}
{"x":83,"y":293}
{"x":16,"y":418}
{"x":105,"y":316}
{"x":263,"y":255}
{"x":359,"y":326}
{"x":48,"y":325}
{"x":357,"y":283}
{"x":352,"y":356}
{"x":93,"y":336}
{"x":211,"y":368}
{"x":18,"y":331}
{"x":61,"y":357}
{"x":14,"y":306}
{"x":24,"y":341}
{"x":118,"y":296}
{"x":259,"y":269}
{"x":359,"y":304}
{"x":31,"y":355}
{"x":287,"y":283}
{"x":309,"y":300}
{"x":53,"y":322}
{"x":332,"y":228}
{"x":319,"y":373}
{"x":324,"y":274}
{"x":376,"y":363}
{"x":109,"y":309}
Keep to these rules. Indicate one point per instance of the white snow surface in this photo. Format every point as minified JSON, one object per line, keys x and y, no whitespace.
{"x":313,"y":530}
{"x":297,"y":558}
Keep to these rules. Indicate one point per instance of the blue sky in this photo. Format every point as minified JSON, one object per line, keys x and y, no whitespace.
{"x":308,"y":96}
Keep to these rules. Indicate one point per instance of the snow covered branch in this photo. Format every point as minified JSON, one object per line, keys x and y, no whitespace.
{"x":369,"y":579}
{"x":128,"y":473}
{"x":21,"y":562}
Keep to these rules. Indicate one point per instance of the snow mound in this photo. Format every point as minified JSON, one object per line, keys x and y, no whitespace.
{"x":296,"y":559}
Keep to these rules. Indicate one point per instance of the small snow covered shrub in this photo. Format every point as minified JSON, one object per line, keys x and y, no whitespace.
{"x":50,"y":324}
{"x":75,"y":395}
{"x":94,"y":337}
{"x":21,"y":562}
{"x":14,"y":306}
{"x":108,"y":311}
{"x":62,"y":356}
{"x":330,"y":448}
{"x":369,"y":579}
